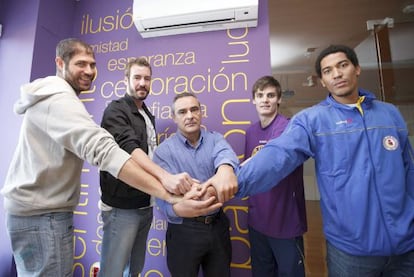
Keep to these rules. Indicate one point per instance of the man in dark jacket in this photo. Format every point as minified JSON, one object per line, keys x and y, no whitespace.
{"x":127,"y":212}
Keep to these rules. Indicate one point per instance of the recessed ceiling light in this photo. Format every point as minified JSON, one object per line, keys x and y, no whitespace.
{"x":408,"y":8}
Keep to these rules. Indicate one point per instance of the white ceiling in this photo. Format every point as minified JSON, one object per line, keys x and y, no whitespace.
{"x":299,"y":26}
{"x":296,"y":25}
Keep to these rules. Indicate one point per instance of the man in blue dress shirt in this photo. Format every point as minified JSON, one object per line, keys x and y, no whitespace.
{"x":204,"y":240}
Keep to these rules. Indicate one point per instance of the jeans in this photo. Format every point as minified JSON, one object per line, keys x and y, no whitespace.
{"x":42,"y":244}
{"x":341,"y":264}
{"x":273,"y":257}
{"x":125,"y":233}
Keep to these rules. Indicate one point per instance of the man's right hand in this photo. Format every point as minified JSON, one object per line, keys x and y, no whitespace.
{"x":225,"y":183}
{"x":178,"y":184}
{"x":198,"y":201}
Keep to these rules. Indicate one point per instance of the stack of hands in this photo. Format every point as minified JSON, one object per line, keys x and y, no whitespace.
{"x":190,"y":198}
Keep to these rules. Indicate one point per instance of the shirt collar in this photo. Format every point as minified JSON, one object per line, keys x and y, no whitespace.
{"x":186,"y":142}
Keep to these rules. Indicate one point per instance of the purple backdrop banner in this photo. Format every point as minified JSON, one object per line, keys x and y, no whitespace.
{"x":220,"y":67}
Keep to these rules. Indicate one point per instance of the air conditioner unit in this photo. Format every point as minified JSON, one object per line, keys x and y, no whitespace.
{"x":155,"y":18}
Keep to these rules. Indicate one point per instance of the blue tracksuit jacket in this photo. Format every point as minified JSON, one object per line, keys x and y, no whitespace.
{"x":364,"y":167}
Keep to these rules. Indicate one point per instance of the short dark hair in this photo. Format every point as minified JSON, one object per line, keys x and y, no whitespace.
{"x":182,"y":95}
{"x":137,"y":61}
{"x":348,"y":51}
{"x":267,"y":81}
{"x":67,"y":48}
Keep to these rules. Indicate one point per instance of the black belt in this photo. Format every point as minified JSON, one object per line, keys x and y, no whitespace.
{"x":206,"y":219}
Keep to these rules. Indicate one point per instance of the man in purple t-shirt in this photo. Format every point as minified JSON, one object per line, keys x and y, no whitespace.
{"x":277,"y":218}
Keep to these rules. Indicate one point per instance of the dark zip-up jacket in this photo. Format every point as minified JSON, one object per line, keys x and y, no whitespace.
{"x":123,"y":120}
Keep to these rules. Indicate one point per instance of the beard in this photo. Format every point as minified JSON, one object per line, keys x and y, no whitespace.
{"x":75,"y":81}
{"x":70,"y":78}
{"x":142,"y":98}
{"x":138,"y":94}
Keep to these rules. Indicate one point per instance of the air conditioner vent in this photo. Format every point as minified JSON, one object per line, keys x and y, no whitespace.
{"x":185,"y":25}
{"x":154,"y":18}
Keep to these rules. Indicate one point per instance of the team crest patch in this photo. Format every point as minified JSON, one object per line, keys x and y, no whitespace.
{"x":390,"y":143}
{"x":256,"y":149}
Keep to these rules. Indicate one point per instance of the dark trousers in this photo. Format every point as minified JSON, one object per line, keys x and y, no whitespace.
{"x":272,"y":257}
{"x":194,"y":244}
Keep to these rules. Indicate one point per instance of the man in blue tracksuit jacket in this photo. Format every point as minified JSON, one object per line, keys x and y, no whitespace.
{"x":364,"y":166}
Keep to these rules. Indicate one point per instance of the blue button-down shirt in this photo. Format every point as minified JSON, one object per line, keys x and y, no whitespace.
{"x":177,"y":155}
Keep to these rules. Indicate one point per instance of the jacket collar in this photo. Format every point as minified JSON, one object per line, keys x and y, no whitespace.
{"x":134,"y":109}
{"x":369,"y":98}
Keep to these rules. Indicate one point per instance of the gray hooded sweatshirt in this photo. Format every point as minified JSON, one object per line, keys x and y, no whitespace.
{"x":57,"y":135}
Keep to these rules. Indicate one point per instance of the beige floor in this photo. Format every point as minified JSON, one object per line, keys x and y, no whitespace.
{"x":314,"y":242}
